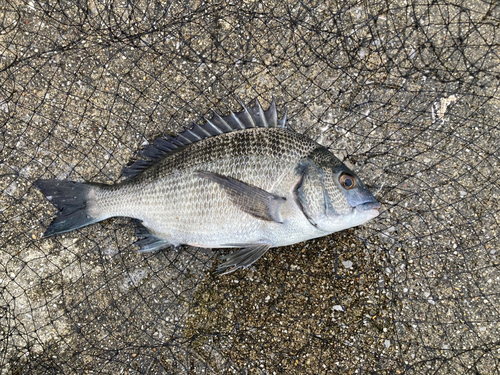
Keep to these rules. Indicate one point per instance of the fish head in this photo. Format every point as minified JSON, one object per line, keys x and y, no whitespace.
{"x":332,"y":196}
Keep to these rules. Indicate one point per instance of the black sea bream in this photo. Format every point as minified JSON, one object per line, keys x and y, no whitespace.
{"x":240,"y":181}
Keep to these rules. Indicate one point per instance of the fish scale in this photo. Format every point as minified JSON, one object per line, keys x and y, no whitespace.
{"x":242,"y":181}
{"x":186,"y":196}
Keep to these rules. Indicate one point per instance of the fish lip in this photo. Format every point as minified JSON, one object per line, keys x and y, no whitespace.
{"x":369,"y":206}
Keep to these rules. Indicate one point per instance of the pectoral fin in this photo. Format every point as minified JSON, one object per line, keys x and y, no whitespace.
{"x":242,"y":258}
{"x":250,"y":199}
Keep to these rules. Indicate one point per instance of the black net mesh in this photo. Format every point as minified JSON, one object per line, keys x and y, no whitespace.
{"x":406,"y":92}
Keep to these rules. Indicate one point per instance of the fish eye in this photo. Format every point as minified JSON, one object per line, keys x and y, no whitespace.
{"x":347,"y":181}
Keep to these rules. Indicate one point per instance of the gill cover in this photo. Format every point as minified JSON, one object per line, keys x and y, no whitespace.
{"x":311,"y":194}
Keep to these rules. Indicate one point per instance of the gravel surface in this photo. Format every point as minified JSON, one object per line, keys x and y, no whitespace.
{"x":406,"y":93}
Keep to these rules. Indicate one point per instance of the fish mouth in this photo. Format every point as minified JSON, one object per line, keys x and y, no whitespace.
{"x":368,"y":206}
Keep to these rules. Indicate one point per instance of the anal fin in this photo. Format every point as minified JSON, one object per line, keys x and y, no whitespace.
{"x":242,"y":258}
{"x":147,"y":241}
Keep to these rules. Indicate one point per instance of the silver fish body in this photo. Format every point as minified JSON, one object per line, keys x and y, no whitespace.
{"x":243,"y":181}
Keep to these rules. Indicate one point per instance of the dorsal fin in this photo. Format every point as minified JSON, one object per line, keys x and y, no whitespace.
{"x":161,"y":147}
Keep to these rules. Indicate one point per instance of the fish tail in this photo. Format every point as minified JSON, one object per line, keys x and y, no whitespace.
{"x":71,"y":199}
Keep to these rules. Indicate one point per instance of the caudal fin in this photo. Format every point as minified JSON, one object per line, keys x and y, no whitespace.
{"x":70,"y":198}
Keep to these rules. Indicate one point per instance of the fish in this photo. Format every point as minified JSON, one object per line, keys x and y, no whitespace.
{"x":246,"y":181}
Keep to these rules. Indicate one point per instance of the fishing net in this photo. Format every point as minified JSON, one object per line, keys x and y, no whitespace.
{"x":405,"y":92}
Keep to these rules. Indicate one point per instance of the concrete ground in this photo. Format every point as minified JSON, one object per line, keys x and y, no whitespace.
{"x":405,"y":92}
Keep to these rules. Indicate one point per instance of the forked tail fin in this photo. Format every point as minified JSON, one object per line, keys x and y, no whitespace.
{"x":70,"y":198}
